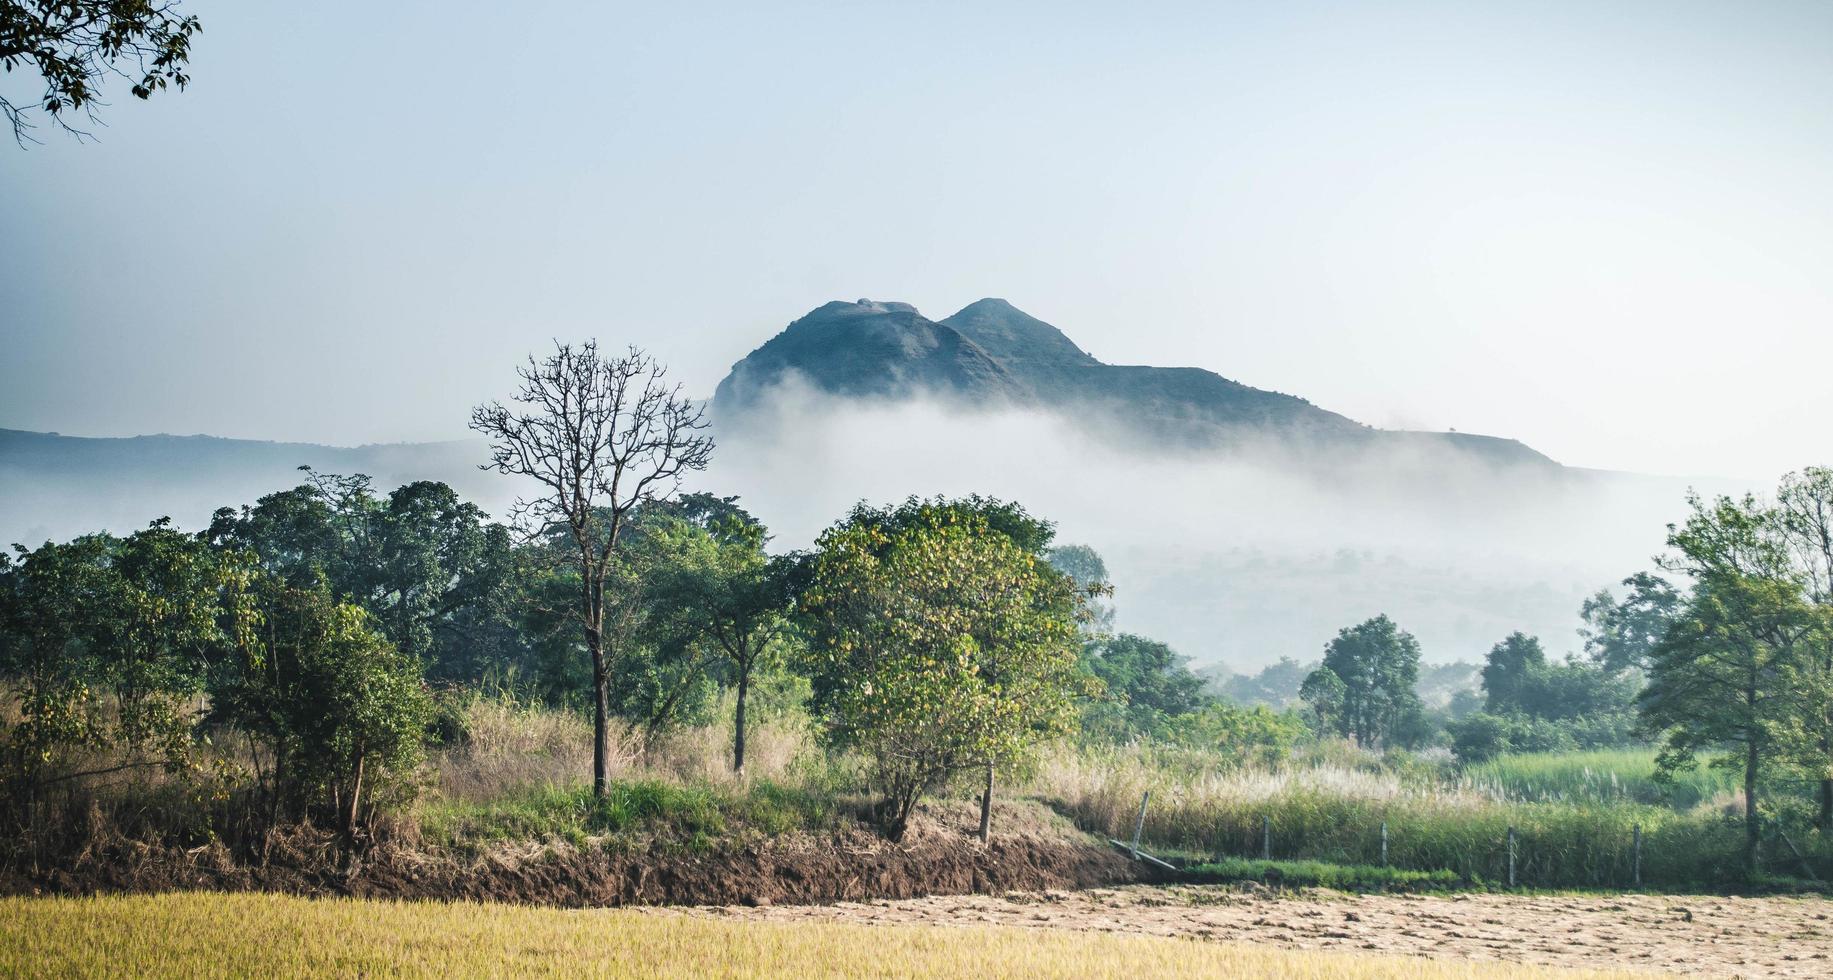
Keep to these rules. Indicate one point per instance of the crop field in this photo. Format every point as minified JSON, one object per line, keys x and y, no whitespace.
{"x":267,"y":935}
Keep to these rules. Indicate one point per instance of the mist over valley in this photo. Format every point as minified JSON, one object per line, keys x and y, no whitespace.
{"x":1238,"y":525}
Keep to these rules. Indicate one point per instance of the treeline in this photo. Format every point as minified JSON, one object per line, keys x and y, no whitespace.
{"x":1732,"y":664}
{"x":296,"y":658}
{"x":314,"y":634}
{"x":1371,"y":687}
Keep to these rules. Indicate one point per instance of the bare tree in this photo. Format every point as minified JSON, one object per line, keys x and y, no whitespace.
{"x":602,"y":435}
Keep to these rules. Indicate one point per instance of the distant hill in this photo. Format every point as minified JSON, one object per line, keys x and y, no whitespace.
{"x":992,"y":354}
{"x":1240,"y":525}
{"x":55,"y":486}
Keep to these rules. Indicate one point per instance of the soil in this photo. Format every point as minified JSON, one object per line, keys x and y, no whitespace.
{"x":935,"y":858}
{"x":1686,"y":935}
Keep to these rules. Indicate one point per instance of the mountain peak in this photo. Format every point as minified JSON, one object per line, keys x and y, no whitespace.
{"x":869,"y":348}
{"x":991,"y":305}
{"x":1015,"y":337}
{"x":860,"y":307}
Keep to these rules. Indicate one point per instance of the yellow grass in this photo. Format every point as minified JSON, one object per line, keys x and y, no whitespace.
{"x":268,"y":935}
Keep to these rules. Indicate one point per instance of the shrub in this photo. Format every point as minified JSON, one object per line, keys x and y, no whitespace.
{"x":342,"y":713}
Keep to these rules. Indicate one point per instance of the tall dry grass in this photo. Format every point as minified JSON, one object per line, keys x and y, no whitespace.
{"x":512,"y":745}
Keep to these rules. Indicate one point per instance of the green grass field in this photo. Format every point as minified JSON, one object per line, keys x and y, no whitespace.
{"x":1600,"y":776}
{"x":268,"y":935}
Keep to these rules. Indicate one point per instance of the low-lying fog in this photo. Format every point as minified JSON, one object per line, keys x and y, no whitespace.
{"x":1237,"y":560}
{"x":1240,"y":559}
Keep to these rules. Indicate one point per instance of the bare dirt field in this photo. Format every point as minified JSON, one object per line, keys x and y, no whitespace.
{"x":1686,"y":935}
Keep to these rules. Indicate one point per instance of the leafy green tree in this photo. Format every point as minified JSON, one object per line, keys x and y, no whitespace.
{"x":1723,"y":676}
{"x":1729,"y":672}
{"x":295,"y":534}
{"x":1378,"y":663}
{"x":74,"y":44}
{"x":430,"y":568}
{"x":1324,"y":693}
{"x":334,"y":710}
{"x":948,"y":647}
{"x":1549,"y":706}
{"x":1804,"y":519}
{"x":601,"y":436}
{"x":1619,"y":636}
{"x":1032,"y":535}
{"x":726,"y":592}
{"x":107,"y":642}
{"x":1147,"y":685}
{"x":1511,"y":673}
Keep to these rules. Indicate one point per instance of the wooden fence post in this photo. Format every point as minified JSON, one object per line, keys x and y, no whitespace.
{"x":1266,"y":837}
{"x":1384,"y":843}
{"x":1511,"y":857}
{"x":1139,"y":824}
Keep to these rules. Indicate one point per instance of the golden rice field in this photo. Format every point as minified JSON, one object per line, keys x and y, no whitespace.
{"x":202,"y":934}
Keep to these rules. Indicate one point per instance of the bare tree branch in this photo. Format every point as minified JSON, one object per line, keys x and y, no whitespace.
{"x":602,"y":436}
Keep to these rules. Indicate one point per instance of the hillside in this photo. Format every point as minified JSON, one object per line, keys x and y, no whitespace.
{"x":56,"y":486}
{"x":993,"y":355}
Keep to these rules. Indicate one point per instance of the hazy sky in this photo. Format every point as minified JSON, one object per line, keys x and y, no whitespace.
{"x":1603,"y":228}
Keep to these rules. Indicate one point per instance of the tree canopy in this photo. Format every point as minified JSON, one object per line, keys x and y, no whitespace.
{"x":74,"y":45}
{"x":1377,"y":665}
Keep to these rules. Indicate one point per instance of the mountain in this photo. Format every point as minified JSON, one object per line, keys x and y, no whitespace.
{"x":868,"y":349}
{"x":57,"y":486}
{"x":992,"y":354}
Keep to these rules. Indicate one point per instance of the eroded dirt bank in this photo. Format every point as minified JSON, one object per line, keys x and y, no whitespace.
{"x":1685,"y":935}
{"x":798,"y":868}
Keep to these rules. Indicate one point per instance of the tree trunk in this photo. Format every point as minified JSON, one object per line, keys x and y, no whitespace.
{"x":986,"y":806}
{"x":356,"y":790}
{"x":738,"y":718}
{"x":1824,"y":819}
{"x":601,"y":716}
{"x":1752,"y":827}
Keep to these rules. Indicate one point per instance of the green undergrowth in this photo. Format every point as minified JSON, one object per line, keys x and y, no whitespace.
{"x":654,"y":811}
{"x":1599,"y":776}
{"x":1323,"y":874}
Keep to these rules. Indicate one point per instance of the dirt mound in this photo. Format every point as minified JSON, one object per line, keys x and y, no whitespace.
{"x":933,"y":859}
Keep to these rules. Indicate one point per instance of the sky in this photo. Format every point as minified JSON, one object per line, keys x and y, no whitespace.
{"x":1603,"y":229}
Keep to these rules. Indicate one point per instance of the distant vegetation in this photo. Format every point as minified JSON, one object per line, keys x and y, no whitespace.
{"x":624,"y":662}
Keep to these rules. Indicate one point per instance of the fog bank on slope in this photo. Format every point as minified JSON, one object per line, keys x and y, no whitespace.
{"x":1238,"y":559}
{"x":55,"y":487}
